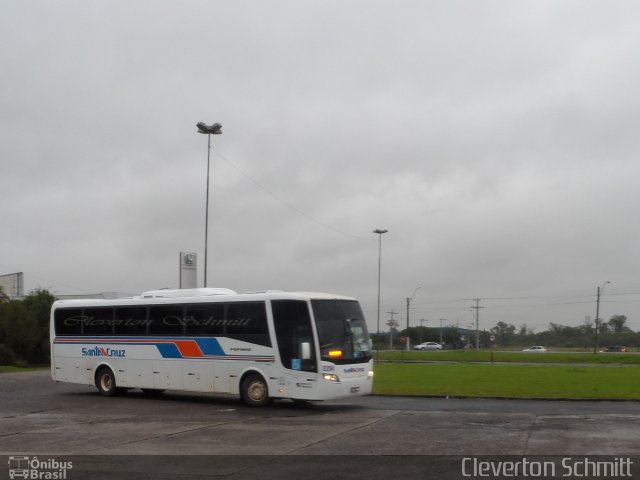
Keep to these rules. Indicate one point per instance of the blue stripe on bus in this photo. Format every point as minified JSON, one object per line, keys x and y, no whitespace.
{"x":168,"y":350}
{"x":210,"y":347}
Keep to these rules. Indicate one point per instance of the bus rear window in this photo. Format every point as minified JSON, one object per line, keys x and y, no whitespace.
{"x":68,"y":321}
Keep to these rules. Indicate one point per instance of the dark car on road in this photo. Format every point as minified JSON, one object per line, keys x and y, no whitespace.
{"x":616,"y":348}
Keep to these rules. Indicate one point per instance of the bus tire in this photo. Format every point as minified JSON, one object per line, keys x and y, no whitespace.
{"x":254,"y":391}
{"x":106,"y":382}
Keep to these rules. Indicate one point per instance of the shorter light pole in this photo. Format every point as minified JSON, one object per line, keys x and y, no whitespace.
{"x":409,"y":299}
{"x":408,"y":305}
{"x":379,"y":232}
{"x":441,"y":320}
{"x":421,"y":321}
{"x":598,"y":293}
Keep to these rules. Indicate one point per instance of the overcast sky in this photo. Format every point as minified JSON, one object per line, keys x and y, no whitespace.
{"x":497,"y":141}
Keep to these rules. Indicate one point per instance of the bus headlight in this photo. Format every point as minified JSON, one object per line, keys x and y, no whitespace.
{"x":331,"y":377}
{"x":370,"y":374}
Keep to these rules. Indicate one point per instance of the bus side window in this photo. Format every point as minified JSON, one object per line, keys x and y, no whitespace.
{"x":98,"y":321}
{"x":166,"y":320}
{"x":131,"y":321}
{"x":247,"y":322}
{"x":293,"y":328}
{"x":205,"y":319}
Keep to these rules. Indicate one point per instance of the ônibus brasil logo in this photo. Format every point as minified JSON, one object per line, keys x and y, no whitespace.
{"x":102,"y":352}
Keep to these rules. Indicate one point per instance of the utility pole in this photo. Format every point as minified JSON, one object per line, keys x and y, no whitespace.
{"x":441,"y":320}
{"x":477,"y":309}
{"x":408,"y":303}
{"x":595,"y":345}
{"x":392,"y":323}
{"x":407,"y":334}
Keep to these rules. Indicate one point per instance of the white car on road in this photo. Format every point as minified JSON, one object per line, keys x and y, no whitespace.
{"x":428,"y":346}
{"x":536,"y":348}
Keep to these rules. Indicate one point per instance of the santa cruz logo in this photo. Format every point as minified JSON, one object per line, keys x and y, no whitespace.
{"x":102,"y":352}
{"x":353,"y":370}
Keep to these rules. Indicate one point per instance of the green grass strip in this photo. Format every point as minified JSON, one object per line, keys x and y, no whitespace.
{"x":508,"y":381}
{"x":485,"y":356}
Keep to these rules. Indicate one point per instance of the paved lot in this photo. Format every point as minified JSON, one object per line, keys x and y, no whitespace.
{"x":40,"y":417}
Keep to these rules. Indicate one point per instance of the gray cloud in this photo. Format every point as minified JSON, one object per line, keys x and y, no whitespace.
{"x":496,"y":141}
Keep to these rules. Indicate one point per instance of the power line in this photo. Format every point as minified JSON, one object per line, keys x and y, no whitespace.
{"x":287,"y":204}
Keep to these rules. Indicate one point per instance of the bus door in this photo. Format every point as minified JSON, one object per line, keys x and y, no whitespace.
{"x":296,"y":347}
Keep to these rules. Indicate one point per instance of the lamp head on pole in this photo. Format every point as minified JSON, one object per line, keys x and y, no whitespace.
{"x":380,"y":232}
{"x":414,"y":292}
{"x":215,"y":129}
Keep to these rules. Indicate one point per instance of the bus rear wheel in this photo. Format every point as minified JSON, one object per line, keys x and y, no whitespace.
{"x":106,"y":382}
{"x":254,"y":391}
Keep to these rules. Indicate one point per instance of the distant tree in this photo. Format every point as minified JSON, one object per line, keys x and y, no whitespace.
{"x":4,"y":298}
{"x":421,"y":334}
{"x":24,"y":327}
{"x":587,"y":327}
{"x":613,"y":332}
{"x":19,"y":330}
{"x":617,"y":324}
{"x":39,"y":302}
{"x":603,"y":328}
{"x":555,"y":328}
{"x":452,"y":336}
{"x":504,"y":332}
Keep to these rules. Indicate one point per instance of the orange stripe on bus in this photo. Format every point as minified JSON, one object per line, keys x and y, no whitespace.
{"x":189,"y":348}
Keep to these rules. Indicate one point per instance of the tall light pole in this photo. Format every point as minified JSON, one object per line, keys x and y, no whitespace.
{"x":599,"y":292}
{"x":379,"y":232}
{"x":215,"y":129}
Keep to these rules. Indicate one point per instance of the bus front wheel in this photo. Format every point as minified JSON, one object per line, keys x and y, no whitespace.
{"x":106,"y":382}
{"x":254,"y":391}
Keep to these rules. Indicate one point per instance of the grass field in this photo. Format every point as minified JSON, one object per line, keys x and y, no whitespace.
{"x":485,"y":356}
{"x":506,"y":381}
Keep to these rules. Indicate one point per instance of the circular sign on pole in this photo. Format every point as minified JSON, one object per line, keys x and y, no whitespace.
{"x":492,"y":338}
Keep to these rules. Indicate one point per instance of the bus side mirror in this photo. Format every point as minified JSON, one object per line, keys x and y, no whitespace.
{"x":306,"y":350}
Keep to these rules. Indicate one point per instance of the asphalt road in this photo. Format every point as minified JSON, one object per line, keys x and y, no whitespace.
{"x":178,"y":435}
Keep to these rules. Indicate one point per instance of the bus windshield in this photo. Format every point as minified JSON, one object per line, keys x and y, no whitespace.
{"x":342,"y":331}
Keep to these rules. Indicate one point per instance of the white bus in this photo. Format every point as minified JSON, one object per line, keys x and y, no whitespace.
{"x":261,"y":346}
